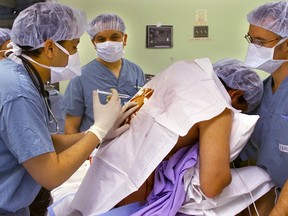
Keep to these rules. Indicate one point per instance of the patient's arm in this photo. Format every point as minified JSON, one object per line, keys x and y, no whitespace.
{"x":214,"y":153}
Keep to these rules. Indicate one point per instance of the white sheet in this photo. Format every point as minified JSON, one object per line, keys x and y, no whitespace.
{"x":63,"y":195}
{"x":233,"y":199}
{"x":185,"y":93}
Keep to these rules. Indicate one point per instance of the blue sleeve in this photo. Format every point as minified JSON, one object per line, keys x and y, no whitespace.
{"x":27,"y":134}
{"x":141,"y":77}
{"x":73,"y":101}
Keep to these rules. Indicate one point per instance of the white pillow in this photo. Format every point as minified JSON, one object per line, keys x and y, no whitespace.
{"x":242,"y":128}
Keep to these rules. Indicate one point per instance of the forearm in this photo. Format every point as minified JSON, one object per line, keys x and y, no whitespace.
{"x":214,"y":154}
{"x":52,"y":169}
{"x":62,"y":142}
{"x":212,"y":182}
{"x":72,"y":158}
{"x":281,"y":207}
{"x":71,"y":130}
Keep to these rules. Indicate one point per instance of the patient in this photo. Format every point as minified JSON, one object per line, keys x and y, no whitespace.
{"x":182,"y":133}
{"x":189,"y":105}
{"x":245,"y":89}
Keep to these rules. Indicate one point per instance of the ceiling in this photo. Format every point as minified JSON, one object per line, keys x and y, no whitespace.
{"x":9,"y":9}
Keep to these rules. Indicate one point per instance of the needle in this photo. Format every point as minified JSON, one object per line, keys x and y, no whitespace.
{"x":109,"y":93}
{"x":138,"y":87}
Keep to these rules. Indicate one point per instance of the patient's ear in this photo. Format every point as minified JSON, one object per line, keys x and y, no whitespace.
{"x":235,"y":93}
{"x":237,"y":99}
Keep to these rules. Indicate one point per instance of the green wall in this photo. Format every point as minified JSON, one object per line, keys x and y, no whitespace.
{"x":226,"y":20}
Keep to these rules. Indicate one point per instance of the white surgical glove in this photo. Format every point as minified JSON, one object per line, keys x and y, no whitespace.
{"x":118,"y":127}
{"x":105,"y":114}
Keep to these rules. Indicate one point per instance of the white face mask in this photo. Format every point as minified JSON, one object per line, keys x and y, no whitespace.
{"x":262,"y":58}
{"x":71,"y":70}
{"x":110,"y":51}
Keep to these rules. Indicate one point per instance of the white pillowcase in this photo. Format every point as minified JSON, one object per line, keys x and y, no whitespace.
{"x":242,"y":128}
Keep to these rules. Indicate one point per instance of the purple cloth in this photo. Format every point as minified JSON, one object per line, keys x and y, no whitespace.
{"x":168,"y":193}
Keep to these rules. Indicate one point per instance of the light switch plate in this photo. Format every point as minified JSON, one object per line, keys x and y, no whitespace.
{"x":200,"y":31}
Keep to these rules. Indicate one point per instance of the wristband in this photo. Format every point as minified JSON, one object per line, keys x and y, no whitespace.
{"x":100,"y":133}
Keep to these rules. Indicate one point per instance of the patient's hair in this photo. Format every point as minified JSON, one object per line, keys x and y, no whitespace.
{"x":238,"y":76}
{"x":241,"y":99}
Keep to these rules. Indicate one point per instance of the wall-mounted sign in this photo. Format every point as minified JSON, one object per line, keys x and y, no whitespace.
{"x":159,"y":36}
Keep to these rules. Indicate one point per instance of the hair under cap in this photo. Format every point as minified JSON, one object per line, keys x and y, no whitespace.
{"x":105,"y":22}
{"x":47,"y":20}
{"x":272,"y":16}
{"x":4,"y":35}
{"x":238,"y":76}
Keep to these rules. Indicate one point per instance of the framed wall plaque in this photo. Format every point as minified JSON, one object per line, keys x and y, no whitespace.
{"x":159,"y":36}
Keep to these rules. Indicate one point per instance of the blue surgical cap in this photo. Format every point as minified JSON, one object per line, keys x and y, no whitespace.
{"x":47,"y":20}
{"x":105,"y":22}
{"x":271,"y":16}
{"x":4,"y":35}
{"x":238,"y":76}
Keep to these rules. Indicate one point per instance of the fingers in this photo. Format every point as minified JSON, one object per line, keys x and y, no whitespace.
{"x":129,"y":112}
{"x":114,"y":96}
{"x":115,"y":133}
{"x":122,"y":129}
{"x":125,"y":112}
{"x":128,"y":105}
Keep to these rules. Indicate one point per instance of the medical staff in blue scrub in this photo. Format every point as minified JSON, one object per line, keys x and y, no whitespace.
{"x":45,"y":38}
{"x":108,"y":70}
{"x":268,"y":51}
{"x":4,"y":40}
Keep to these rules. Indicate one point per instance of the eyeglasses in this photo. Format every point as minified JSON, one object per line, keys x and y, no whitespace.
{"x":259,"y":43}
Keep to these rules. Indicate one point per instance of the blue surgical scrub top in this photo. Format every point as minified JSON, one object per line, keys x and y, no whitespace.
{"x":78,"y":95}
{"x":23,"y":135}
{"x":270,"y":136}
